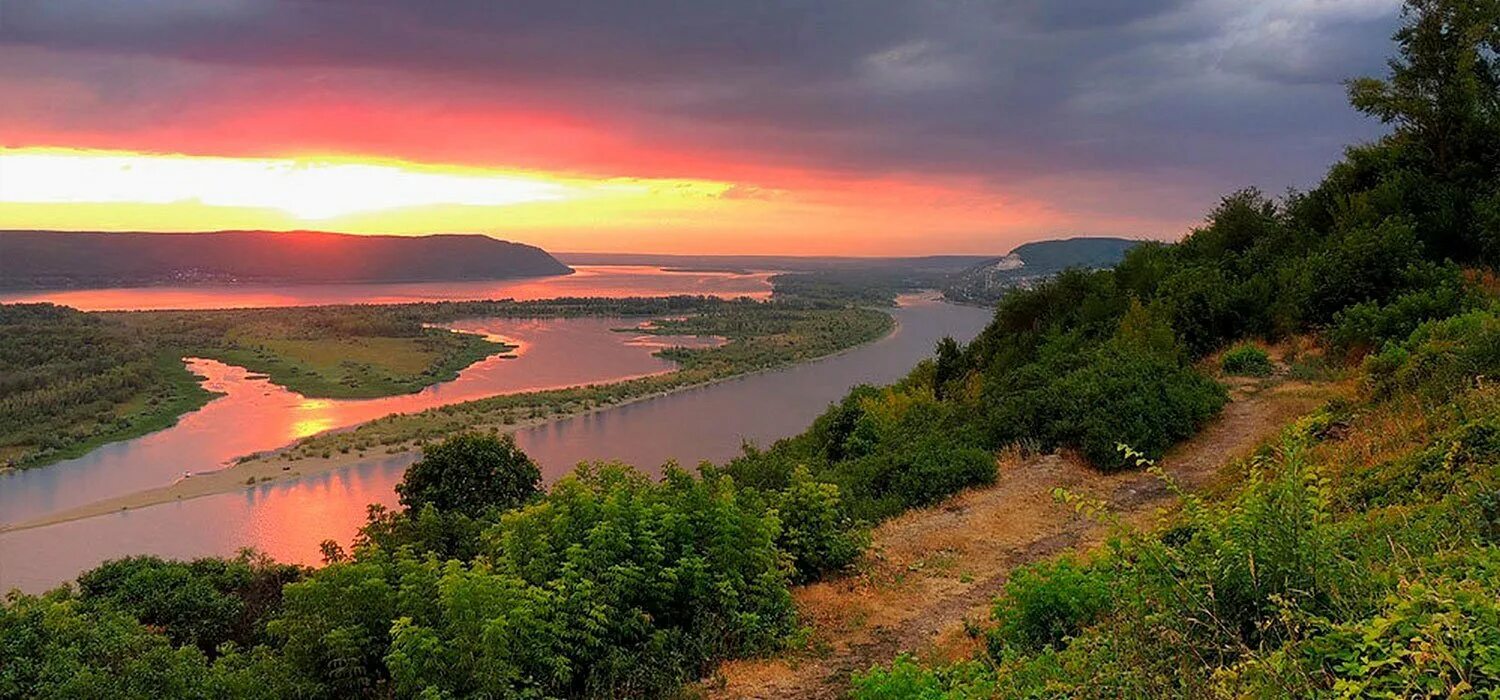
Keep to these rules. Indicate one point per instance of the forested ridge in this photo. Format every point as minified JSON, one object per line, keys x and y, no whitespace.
{"x":1356,"y":557}
{"x":53,"y":259}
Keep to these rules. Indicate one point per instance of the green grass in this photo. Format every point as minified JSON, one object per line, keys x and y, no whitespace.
{"x":351,"y":367}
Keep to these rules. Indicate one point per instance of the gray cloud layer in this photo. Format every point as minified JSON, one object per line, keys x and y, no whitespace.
{"x":1200,"y":95}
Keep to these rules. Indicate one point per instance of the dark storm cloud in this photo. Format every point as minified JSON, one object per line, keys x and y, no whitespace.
{"x":1213,"y":92}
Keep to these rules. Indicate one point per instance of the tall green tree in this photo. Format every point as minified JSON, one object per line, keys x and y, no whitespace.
{"x":1442,"y":96}
{"x":469,"y":474}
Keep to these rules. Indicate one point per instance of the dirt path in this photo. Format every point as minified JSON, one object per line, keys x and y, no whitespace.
{"x":931,"y":570}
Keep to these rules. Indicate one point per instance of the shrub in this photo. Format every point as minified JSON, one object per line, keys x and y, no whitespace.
{"x":205,"y":602}
{"x":1440,"y":357}
{"x":1094,"y":401}
{"x":905,"y":679}
{"x":470,"y":473}
{"x":1430,"y":640}
{"x":1046,"y":602}
{"x":1246,"y":361}
{"x":816,"y":534}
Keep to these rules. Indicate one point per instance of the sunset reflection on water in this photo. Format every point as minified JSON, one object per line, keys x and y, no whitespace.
{"x":586,"y":281}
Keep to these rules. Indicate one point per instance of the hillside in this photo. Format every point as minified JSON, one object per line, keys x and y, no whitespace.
{"x":987,"y":281}
{"x":54,"y":259}
{"x":786,"y":263}
{"x":1351,"y":552}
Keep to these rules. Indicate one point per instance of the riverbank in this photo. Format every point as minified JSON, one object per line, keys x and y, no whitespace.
{"x":345,"y":448}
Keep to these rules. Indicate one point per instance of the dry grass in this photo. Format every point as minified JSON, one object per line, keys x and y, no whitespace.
{"x":930,"y":571}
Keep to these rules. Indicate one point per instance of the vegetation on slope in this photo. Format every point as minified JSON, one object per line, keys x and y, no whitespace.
{"x":1360,"y":556}
{"x":1357,"y":558}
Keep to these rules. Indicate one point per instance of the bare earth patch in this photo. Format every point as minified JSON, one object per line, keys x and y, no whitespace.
{"x":930,"y":570}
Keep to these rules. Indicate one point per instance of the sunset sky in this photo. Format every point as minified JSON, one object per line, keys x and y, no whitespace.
{"x":857,"y":127}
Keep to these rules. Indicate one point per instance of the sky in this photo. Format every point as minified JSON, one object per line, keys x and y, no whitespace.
{"x":854,"y":127}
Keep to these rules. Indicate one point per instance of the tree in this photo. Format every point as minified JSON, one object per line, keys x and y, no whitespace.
{"x":1443,"y":98}
{"x":949,"y":365}
{"x":469,"y":474}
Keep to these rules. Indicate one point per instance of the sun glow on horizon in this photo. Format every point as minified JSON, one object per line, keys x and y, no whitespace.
{"x":309,"y":189}
{"x":791,"y":212}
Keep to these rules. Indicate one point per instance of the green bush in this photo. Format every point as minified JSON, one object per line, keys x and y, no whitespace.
{"x":469,"y":474}
{"x":816,"y":533}
{"x":1093,"y":402}
{"x":1047,"y":602}
{"x":205,"y":603}
{"x":1246,"y":361}
{"x":905,"y":679}
{"x":1439,"y":639}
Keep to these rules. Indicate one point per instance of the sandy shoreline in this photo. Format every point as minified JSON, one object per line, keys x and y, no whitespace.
{"x":270,"y":468}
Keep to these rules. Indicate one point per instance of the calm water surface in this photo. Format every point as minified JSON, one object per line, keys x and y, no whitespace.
{"x":287,"y":520}
{"x":255,"y":415}
{"x":586,"y":281}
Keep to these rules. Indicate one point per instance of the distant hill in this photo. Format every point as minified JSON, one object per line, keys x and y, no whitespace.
{"x":57,"y":259}
{"x":988,"y":281}
{"x":782,"y":263}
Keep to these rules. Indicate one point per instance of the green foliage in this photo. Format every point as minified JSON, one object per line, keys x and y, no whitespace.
{"x":70,"y":382}
{"x":469,"y":474}
{"x":205,"y":602}
{"x":905,"y":679}
{"x":1440,"y":97}
{"x":1439,"y":358}
{"x":887,"y":450}
{"x":1368,"y":326}
{"x":1246,"y":360}
{"x":1046,"y":603}
{"x":612,"y":584}
{"x":55,"y":646}
{"x":816,"y":532}
{"x":1093,"y":401}
{"x":1439,"y":639}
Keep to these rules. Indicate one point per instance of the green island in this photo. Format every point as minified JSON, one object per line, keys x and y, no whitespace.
{"x":77,"y":380}
{"x":759,"y":337}
{"x":114,"y":376}
{"x":1356,"y":554}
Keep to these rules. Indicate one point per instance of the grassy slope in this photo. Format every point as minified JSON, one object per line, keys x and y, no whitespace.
{"x":1377,"y":515}
{"x":931,"y":573}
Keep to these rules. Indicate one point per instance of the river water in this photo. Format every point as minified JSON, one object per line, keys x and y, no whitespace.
{"x":255,"y":415}
{"x":586,"y":281}
{"x":289,"y":519}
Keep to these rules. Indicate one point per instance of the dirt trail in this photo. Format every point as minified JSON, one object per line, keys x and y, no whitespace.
{"x":929,"y":571}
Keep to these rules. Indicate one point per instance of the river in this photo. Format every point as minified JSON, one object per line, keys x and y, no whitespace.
{"x":586,"y":281}
{"x":289,"y":519}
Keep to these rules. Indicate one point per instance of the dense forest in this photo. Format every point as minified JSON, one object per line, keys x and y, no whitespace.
{"x":52,"y":259}
{"x":71,"y":381}
{"x":1357,"y":557}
